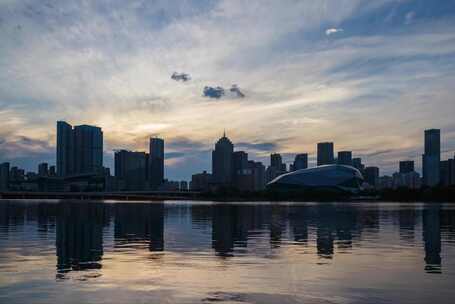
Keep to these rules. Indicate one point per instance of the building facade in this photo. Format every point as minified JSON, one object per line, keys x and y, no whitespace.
{"x":344,"y":158}
{"x":156,"y":162}
{"x":325,"y":154}
{"x":130,"y":170}
{"x":431,"y":158}
{"x":222,"y":167}
{"x":300,"y":162}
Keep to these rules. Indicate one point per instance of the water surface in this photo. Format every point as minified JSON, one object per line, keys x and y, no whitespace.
{"x":197,"y":252}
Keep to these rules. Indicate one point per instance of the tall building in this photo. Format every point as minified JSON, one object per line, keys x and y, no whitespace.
{"x":222,"y":161}
{"x":239,"y":168}
{"x":258,"y":172}
{"x":371,"y":175}
{"x":88,"y":149}
{"x":431,"y":157}
{"x":276,"y":161}
{"x":4,"y":176}
{"x":43,"y":169}
{"x":79,"y":150}
{"x":156,"y":162}
{"x":276,"y":168}
{"x":325,"y":153}
{"x":300,"y":161}
{"x":130,"y":170}
{"x":65,"y":149}
{"x":345,"y":158}
{"x":406,"y":166}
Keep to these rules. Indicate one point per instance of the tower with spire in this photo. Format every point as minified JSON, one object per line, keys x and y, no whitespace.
{"x":222,"y":161}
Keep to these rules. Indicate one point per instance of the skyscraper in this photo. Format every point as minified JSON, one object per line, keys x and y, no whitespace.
{"x":372,"y":176}
{"x":222,"y":161}
{"x":4,"y":176}
{"x":79,"y":150}
{"x":88,"y":149}
{"x":301,"y":161}
{"x":345,"y":158}
{"x":65,"y":151}
{"x":156,"y":162}
{"x":130,"y":169}
{"x":325,"y":153}
{"x":431,"y":157}
{"x":406,"y":166}
{"x":43,"y":169}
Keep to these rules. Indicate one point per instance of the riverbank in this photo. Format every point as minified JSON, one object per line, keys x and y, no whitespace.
{"x":442,"y":194}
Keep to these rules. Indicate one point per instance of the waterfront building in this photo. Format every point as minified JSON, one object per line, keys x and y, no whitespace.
{"x":156,"y":162}
{"x":222,"y":167}
{"x":43,"y":169}
{"x":406,"y":166}
{"x":300,"y":162}
{"x":130,"y":170}
{"x":79,"y":150}
{"x":357,"y":163}
{"x":344,"y":158}
{"x":201,"y":181}
{"x":334,"y":177}
{"x":325,"y":154}
{"x":4,"y":176}
{"x":431,"y":157}
{"x":183,"y":186}
{"x":409,"y":180}
{"x":371,"y":175}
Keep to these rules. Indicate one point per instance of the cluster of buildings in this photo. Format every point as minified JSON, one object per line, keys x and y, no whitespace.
{"x":79,"y":167}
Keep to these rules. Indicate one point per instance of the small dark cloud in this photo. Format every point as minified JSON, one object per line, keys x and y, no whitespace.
{"x":213,"y":92}
{"x":236,"y":90}
{"x":181,"y":77}
{"x":265,"y":146}
{"x":184,"y":143}
{"x":171,"y":155}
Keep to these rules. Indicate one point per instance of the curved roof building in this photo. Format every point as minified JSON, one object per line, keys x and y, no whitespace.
{"x":327,"y":177}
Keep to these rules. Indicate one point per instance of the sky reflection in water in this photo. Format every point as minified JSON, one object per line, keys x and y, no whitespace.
{"x":182,"y":252}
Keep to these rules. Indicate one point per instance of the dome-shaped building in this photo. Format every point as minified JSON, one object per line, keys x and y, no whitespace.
{"x":327,"y":177}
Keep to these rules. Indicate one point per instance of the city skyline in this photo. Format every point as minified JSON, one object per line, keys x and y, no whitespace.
{"x":279,"y":77}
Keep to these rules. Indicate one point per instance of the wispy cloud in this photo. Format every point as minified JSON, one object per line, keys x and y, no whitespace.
{"x":332,"y":31}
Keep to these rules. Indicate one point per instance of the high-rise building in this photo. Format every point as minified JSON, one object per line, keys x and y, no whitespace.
{"x":222,"y":162}
{"x":345,"y":158}
{"x":200,"y":181}
{"x":431,"y":158}
{"x":65,"y":149}
{"x":406,"y":166}
{"x":52,"y":171}
{"x":239,"y":168}
{"x":130,"y":169}
{"x":300,"y":162}
{"x":371,"y":175}
{"x":79,"y":150}
{"x":325,"y":153}
{"x":43,"y":169}
{"x":276,"y":161}
{"x":156,"y":162}
{"x":357,"y":163}
{"x":4,"y":176}
{"x":258,"y":173}
{"x":88,"y":149}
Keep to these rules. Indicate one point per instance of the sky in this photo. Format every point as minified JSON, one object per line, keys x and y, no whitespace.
{"x":277,"y":76}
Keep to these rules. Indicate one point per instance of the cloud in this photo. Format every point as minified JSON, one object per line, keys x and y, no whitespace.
{"x":213,"y":92}
{"x":181,"y":77}
{"x":261,"y":146}
{"x":332,"y":31}
{"x":236,"y":91}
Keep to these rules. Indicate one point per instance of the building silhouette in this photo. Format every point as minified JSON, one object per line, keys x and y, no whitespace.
{"x":431,"y":157}
{"x":200,"y":181}
{"x":4,"y":176}
{"x":406,"y":166}
{"x":300,"y":161}
{"x":222,"y":166}
{"x":79,"y":149}
{"x":344,"y":158}
{"x":43,"y":169}
{"x":357,"y":163}
{"x":325,"y":153}
{"x":371,"y":175}
{"x":156,"y":162}
{"x":131,"y":170}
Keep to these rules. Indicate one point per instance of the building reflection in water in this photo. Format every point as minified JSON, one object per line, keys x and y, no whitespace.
{"x":79,"y":235}
{"x":137,"y":224}
{"x":231,"y":229}
{"x":432,"y":238}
